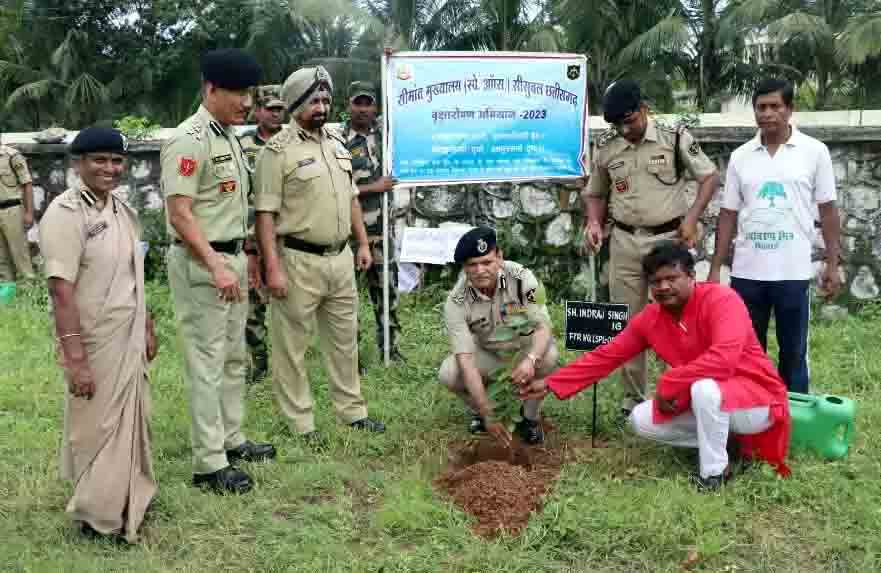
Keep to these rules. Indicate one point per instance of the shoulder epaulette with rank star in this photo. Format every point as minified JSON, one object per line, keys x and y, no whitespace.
{"x":195,"y":129}
{"x":335,"y":134}
{"x":514,"y":270}
{"x":282,"y":139}
{"x":606,"y":137}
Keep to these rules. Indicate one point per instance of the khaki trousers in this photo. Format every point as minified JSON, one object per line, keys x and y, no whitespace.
{"x":320,"y":287}
{"x":15,"y":256}
{"x":450,"y":375}
{"x":212,"y":338}
{"x":628,"y":286}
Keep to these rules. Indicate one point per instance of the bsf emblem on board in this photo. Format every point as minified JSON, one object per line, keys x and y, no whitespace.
{"x":573,"y":71}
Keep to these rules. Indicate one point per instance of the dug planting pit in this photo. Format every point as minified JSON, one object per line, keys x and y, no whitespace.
{"x":501,"y":487}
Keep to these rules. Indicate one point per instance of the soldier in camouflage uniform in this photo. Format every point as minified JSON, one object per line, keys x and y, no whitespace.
{"x":363,"y":136}
{"x":638,"y":182}
{"x":269,"y":115}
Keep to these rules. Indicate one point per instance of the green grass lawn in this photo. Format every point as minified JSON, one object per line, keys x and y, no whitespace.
{"x":367,"y":504}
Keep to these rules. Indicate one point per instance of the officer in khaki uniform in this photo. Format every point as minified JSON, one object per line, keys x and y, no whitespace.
{"x":363,"y":136}
{"x":487,"y":294}
{"x":269,"y":115}
{"x":307,"y":206}
{"x":16,"y":216}
{"x":637,"y":182}
{"x":205,"y":182}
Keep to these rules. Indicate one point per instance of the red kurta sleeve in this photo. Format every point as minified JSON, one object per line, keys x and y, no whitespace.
{"x":593,"y":366}
{"x":729,"y":327}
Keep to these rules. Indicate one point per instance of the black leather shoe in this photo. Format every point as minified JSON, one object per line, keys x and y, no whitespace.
{"x":259,"y":369}
{"x":477,"y":425}
{"x":530,"y":431}
{"x":368,"y":424}
{"x":711,"y":483}
{"x":226,"y":480}
{"x":250,"y":452}
{"x":622,"y":420}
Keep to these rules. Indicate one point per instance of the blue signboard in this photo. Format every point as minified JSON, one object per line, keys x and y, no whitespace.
{"x":466,"y":117}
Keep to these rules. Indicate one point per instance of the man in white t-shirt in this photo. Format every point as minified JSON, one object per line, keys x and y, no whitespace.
{"x":775,"y":184}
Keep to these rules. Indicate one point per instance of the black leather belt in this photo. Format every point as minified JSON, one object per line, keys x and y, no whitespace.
{"x":233,"y":247}
{"x":307,"y":247}
{"x":667,"y":227}
{"x":10,"y":203}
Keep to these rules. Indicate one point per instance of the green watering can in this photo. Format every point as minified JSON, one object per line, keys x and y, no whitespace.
{"x":7,"y":293}
{"x":823,"y":424}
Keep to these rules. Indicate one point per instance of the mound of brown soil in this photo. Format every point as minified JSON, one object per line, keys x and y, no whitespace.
{"x":499,"y":486}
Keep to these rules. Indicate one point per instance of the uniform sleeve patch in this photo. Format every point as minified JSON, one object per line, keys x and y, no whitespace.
{"x":694,"y":149}
{"x":186,"y":166}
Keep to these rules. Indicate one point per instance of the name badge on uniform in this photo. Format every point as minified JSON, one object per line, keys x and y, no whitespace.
{"x":305,"y":162}
{"x":96,"y":229}
{"x":658,"y":160}
{"x":622,"y":185}
{"x":616,"y":164}
{"x":221,"y":159}
{"x":227,"y":186}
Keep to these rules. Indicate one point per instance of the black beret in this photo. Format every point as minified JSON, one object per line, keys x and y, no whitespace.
{"x":230,"y":69}
{"x":621,"y":98}
{"x":475,"y":243}
{"x":99,"y":139}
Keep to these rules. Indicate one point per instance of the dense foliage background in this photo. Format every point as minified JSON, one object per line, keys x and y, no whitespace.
{"x":75,"y":62}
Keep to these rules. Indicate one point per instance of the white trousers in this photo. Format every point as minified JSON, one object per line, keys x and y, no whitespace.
{"x":706,"y":427}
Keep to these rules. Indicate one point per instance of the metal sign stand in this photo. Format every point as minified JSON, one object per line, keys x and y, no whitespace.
{"x":592,"y":287}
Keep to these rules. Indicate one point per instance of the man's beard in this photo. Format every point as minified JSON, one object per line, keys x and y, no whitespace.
{"x":317,"y":122}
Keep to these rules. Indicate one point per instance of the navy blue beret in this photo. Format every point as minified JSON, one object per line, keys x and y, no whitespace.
{"x":98,"y":140}
{"x":230,"y":69}
{"x":475,"y":243}
{"x":621,"y":98}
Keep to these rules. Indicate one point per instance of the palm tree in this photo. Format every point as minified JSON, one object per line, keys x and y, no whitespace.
{"x":616,"y":37}
{"x":66,"y":85}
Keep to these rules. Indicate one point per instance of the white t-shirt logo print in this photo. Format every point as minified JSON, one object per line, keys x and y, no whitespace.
{"x":771,"y":191}
{"x":776,"y":199}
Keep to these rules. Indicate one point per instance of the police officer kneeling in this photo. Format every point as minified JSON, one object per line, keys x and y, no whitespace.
{"x":488,"y":293}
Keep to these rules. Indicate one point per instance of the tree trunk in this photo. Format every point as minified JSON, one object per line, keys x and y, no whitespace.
{"x":822,"y":85}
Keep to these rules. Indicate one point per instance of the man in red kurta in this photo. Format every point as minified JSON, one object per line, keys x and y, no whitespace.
{"x":719,"y":379}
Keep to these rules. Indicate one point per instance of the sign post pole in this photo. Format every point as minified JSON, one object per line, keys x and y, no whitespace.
{"x":592,"y":287}
{"x":386,"y":350}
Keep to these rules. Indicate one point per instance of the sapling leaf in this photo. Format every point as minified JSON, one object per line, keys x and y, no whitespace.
{"x":503,"y":333}
{"x":518,"y":320}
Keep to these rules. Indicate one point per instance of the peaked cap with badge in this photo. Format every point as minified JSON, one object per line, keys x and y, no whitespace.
{"x":475,"y":243}
{"x":99,"y":139}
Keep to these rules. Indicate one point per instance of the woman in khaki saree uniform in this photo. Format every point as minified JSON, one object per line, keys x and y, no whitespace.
{"x":89,"y":240}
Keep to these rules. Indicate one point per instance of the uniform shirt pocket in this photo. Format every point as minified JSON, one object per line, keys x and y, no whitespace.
{"x":7,"y":175}
{"x":224,"y":170}
{"x":663,"y":165}
{"x":307,"y":169}
{"x":345,"y":162}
